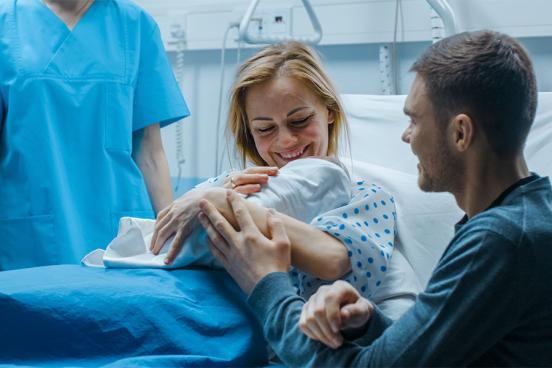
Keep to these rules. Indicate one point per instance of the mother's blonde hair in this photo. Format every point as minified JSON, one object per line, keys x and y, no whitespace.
{"x":293,"y":60}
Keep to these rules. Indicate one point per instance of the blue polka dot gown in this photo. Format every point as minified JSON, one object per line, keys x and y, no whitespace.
{"x":366,"y":226}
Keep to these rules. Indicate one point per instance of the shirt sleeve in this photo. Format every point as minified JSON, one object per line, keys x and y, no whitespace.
{"x":157,"y":96}
{"x":453,"y":323}
{"x":366,"y":227}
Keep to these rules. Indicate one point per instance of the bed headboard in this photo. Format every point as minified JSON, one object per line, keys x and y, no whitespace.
{"x":377,"y":123}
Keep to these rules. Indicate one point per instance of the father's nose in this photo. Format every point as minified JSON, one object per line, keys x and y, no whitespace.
{"x":406,"y":135}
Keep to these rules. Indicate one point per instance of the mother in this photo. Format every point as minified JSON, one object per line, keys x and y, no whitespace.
{"x":284,"y":107}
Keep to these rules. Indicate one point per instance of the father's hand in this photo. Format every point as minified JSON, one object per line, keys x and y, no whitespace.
{"x":332,"y":309}
{"x":246,"y":253}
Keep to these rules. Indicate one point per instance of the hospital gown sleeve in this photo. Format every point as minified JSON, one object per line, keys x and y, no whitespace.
{"x":214,"y":182}
{"x":366,"y":226}
{"x":157,"y":96}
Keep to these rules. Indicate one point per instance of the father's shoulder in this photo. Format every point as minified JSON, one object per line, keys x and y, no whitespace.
{"x":522,"y":218}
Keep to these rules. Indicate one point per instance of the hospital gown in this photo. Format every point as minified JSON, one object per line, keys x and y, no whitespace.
{"x":366,"y":227}
{"x":69,"y":103}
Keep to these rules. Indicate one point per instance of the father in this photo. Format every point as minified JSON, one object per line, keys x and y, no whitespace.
{"x":489,"y":300}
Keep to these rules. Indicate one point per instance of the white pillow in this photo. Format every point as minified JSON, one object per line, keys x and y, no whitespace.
{"x":425,"y":221}
{"x":376,"y":124}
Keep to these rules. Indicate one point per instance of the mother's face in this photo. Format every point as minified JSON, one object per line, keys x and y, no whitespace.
{"x":287,"y":121}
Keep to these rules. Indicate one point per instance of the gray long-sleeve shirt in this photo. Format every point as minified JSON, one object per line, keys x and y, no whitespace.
{"x":488,"y":302}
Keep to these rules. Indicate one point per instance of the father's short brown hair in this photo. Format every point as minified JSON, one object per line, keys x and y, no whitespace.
{"x":488,"y":76}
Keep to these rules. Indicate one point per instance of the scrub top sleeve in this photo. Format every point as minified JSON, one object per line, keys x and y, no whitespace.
{"x":3,"y":105}
{"x":157,"y":96}
{"x":2,"y":110}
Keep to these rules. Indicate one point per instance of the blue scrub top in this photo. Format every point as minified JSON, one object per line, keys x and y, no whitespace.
{"x":69,"y":102}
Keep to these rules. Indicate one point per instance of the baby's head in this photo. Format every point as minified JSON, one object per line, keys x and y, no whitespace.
{"x":333,"y":160}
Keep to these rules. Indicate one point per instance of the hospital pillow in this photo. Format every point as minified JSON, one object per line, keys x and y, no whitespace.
{"x":376,"y":125}
{"x":425,"y":220}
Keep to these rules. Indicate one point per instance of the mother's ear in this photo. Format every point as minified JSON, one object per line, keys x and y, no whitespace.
{"x":331,"y":117}
{"x":463,"y":132}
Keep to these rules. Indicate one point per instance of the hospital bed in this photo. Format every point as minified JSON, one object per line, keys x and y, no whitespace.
{"x":75,"y":316}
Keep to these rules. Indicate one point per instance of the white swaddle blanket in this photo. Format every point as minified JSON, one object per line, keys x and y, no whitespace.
{"x":302,"y":189}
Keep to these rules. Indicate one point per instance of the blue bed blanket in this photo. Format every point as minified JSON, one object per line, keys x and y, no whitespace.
{"x":70,"y":315}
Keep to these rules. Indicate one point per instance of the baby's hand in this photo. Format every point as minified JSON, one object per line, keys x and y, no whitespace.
{"x":250,"y":180}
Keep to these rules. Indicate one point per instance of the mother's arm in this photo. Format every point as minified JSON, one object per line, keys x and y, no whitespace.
{"x":312,"y":250}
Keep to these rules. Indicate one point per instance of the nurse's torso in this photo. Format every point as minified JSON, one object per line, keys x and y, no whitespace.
{"x":66,"y":171}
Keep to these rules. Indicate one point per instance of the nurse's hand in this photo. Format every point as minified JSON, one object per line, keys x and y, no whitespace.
{"x":246,"y":253}
{"x":332,"y":309}
{"x":250,"y":180}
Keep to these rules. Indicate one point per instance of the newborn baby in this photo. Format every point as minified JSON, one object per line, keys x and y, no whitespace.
{"x":303,"y":189}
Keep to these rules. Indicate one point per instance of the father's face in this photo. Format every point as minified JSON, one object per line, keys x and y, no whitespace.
{"x":428,"y":141}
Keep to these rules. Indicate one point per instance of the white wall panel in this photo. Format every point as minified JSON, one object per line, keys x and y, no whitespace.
{"x":357,"y":21}
{"x":368,"y":22}
{"x":353,"y":31}
{"x":520,"y":18}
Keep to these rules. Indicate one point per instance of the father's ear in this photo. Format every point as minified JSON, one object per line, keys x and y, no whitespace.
{"x":463,"y":132}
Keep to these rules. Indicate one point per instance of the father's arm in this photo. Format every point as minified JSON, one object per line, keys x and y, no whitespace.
{"x":470,"y":303}
{"x":278,"y":307}
{"x":312,"y":250}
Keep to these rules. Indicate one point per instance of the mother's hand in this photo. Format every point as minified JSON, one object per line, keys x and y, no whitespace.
{"x":246,"y":253}
{"x":250,"y":180}
{"x":179,"y":219}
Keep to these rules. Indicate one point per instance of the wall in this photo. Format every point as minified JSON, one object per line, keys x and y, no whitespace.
{"x":353,"y":66}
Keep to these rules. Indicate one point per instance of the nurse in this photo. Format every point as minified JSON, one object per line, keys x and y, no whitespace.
{"x":85,"y":87}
